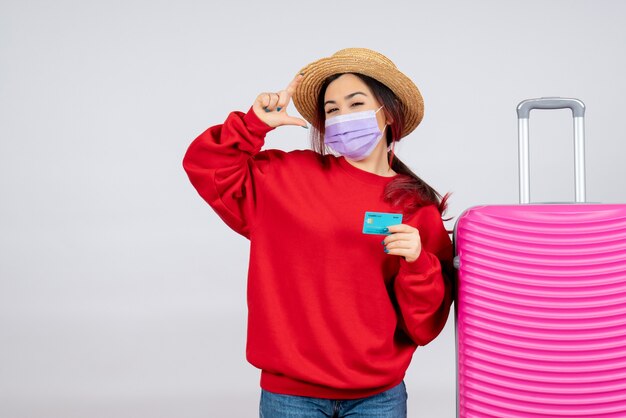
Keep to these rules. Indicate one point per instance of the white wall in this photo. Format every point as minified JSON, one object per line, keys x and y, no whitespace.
{"x":122,"y":293}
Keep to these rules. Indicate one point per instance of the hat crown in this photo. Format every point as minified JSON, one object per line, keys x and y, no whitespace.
{"x":364,"y":53}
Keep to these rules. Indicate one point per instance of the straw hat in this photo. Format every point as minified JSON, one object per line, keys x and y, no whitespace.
{"x":363,"y":61}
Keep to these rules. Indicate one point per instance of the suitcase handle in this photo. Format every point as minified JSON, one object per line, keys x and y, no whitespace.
{"x":524,"y":108}
{"x":578,"y":113}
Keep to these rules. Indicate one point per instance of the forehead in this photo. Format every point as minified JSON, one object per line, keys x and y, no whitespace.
{"x":343,"y":85}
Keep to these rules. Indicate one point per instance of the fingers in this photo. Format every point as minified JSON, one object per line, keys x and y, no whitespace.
{"x":409,"y":255}
{"x":400,"y":228}
{"x":284,"y":96}
{"x":279,"y":100}
{"x":263,"y":99}
{"x":403,"y":237}
{"x":292,"y":120}
{"x":401,"y":231}
{"x":283,"y":99}
{"x":409,"y":248}
{"x":291,"y":88}
{"x":271,"y":107}
{"x":402,"y":243}
{"x":269,"y":101}
{"x":399,"y":236}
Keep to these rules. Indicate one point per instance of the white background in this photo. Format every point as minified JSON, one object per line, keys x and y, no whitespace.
{"x":122,"y":293}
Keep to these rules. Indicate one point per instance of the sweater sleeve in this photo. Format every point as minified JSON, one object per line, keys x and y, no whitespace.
{"x":226,"y":167}
{"x":423,"y":288}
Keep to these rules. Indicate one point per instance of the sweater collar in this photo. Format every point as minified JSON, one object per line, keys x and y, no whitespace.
{"x":363,"y":175}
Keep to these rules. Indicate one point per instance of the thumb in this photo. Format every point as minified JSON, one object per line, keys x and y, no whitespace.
{"x":292,"y":120}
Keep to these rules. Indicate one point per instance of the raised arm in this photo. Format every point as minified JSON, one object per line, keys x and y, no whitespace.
{"x":225,"y":164}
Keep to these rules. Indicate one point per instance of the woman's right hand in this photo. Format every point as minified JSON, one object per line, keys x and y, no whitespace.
{"x":271,"y":108}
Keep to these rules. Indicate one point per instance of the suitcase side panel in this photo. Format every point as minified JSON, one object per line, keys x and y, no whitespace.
{"x":541,"y":311}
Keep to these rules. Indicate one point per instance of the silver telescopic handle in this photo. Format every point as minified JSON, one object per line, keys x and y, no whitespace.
{"x":578,"y":112}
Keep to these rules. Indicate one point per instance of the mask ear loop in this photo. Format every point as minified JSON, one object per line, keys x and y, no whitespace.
{"x":393,"y":143}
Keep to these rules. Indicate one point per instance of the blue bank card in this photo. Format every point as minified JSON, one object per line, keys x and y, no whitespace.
{"x":375,"y":222}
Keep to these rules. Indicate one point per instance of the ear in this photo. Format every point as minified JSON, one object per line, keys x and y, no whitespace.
{"x":388,"y":119}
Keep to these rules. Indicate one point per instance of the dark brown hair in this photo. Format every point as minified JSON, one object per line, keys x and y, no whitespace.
{"x":407,"y":190}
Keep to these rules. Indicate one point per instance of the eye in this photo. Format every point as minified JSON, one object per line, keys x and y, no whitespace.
{"x":352,"y":105}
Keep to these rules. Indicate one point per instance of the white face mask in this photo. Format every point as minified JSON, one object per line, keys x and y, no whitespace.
{"x":354,"y":135}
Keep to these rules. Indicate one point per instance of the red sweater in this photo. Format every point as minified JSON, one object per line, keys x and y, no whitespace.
{"x":330,"y":314}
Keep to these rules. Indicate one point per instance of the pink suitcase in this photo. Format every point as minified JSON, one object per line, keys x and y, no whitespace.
{"x":541,"y":300}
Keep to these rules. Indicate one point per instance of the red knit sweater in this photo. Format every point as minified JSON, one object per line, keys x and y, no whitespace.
{"x":330,"y":314}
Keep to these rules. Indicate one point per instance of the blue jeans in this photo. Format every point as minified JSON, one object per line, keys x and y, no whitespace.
{"x":388,"y":404}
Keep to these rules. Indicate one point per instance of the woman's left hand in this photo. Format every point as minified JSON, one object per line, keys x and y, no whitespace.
{"x":404,"y":240}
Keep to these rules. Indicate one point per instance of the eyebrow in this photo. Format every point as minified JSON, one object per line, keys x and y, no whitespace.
{"x":349,"y":96}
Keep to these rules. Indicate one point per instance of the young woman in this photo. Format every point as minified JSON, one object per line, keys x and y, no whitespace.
{"x":334,"y":313}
